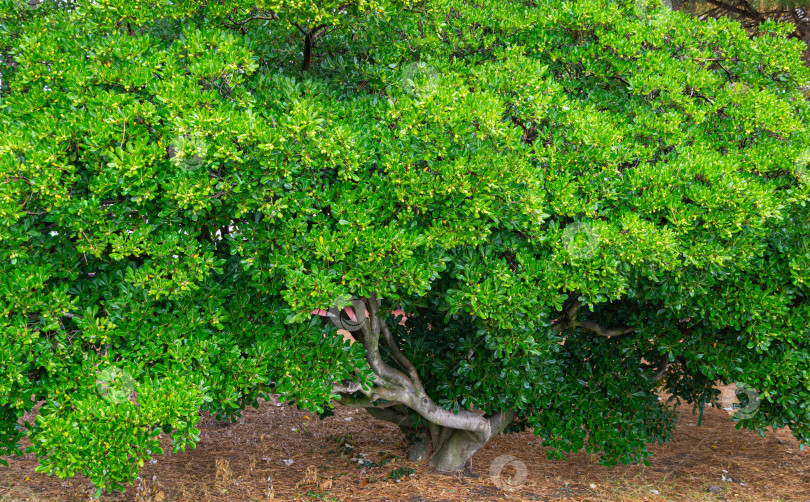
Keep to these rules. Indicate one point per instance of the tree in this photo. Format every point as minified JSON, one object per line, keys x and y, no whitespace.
{"x":575,"y":207}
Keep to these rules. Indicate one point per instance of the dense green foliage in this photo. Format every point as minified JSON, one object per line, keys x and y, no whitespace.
{"x":176,"y":197}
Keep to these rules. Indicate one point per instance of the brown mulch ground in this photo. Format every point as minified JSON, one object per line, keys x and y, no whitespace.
{"x":246,"y":461}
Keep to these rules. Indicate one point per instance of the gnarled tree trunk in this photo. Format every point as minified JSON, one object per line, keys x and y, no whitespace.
{"x":445,"y":448}
{"x":449,"y":449}
{"x":451,"y":439}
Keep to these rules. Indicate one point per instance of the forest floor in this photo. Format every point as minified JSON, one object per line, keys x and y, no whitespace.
{"x":280,"y":453}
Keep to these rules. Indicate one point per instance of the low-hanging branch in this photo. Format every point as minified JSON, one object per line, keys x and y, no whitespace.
{"x":370,"y":338}
{"x":397,"y":388}
{"x":399,"y":357}
{"x":569,"y":320}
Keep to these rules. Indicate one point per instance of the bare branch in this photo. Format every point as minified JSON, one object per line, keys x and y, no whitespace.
{"x":394,"y":386}
{"x":622,"y":80}
{"x":399,"y":356}
{"x":602,"y":331}
{"x":704,"y":98}
{"x":273,"y":17}
{"x":371,"y":342}
{"x":756,"y":16}
{"x":573,"y":308}
{"x":300,"y":29}
{"x":752,"y":10}
{"x":569,"y":316}
{"x":464,"y":419}
{"x":314,"y":31}
{"x":569,"y":320}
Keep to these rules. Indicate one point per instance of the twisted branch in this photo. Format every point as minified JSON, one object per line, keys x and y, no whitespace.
{"x":370,"y":338}
{"x":569,"y":320}
{"x":398,"y":389}
{"x":399,"y":357}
